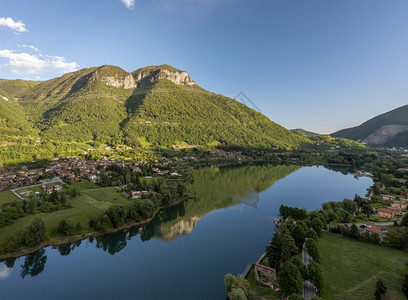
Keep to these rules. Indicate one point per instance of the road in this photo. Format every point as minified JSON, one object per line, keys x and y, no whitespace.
{"x":14,"y":191}
{"x":309,"y":290}
{"x":369,"y":222}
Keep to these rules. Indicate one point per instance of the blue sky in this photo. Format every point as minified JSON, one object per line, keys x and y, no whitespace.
{"x":321,"y":65}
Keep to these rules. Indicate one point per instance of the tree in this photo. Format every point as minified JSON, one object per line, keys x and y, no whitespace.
{"x":311,"y":234}
{"x":237,"y":294}
{"x":345,"y":230}
{"x":396,"y":237}
{"x":366,"y":209}
{"x":299,"y":235}
{"x":349,"y":205}
{"x":66,"y":227}
{"x":375,"y":238}
{"x":301,"y":266}
{"x":380,"y":290}
{"x":366,"y":236}
{"x":236,"y":287}
{"x":273,"y":252}
{"x":35,"y":233}
{"x":290,"y":280}
{"x":117,"y":215}
{"x":289,"y":248}
{"x":318,"y":226}
{"x":404,"y":220}
{"x":315,"y":274}
{"x":312,"y":249}
{"x":354,"y":233}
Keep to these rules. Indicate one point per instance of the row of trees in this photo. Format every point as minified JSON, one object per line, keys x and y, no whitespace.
{"x":298,"y":229}
{"x":9,"y":212}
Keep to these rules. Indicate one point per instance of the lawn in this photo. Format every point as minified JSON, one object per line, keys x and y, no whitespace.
{"x":85,"y":185}
{"x":7,"y":197}
{"x":89,"y":205}
{"x":351,"y":268}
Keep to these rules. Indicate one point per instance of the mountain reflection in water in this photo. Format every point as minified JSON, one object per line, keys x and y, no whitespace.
{"x":215,"y":188}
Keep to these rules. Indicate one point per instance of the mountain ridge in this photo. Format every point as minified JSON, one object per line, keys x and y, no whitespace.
{"x":158,"y":106}
{"x":387,"y":129}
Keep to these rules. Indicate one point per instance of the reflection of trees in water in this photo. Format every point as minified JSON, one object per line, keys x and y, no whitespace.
{"x":66,"y":249}
{"x":9,"y":262}
{"x":216,"y":188}
{"x":34,"y":264}
{"x":112,"y":243}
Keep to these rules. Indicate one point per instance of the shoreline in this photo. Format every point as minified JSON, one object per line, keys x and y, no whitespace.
{"x":61,"y":240}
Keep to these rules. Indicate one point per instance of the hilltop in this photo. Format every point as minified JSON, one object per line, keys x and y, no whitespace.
{"x":388,"y":129}
{"x":150,"y":107}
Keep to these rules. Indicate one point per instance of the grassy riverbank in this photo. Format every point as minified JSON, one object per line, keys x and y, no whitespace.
{"x":351,"y":268}
{"x":92,"y":203}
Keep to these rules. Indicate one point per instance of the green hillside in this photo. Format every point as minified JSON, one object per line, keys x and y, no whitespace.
{"x":171,"y":114}
{"x":305,"y":132}
{"x":153,"y":106}
{"x":13,"y":119}
{"x":388,"y":129}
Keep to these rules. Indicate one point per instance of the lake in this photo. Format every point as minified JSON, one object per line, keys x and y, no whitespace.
{"x":186,"y":250}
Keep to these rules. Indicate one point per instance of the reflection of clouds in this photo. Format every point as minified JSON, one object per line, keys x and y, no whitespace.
{"x":4,"y":272}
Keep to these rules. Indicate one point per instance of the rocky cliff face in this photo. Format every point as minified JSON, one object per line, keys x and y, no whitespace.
{"x":384,"y":134}
{"x":126,"y":82}
{"x":145,"y":76}
{"x":149,"y":75}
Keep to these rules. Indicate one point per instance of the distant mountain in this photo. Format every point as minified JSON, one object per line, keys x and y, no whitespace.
{"x":158,"y":105}
{"x":388,"y":129}
{"x":305,"y":132}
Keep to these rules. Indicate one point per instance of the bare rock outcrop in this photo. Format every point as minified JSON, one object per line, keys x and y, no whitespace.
{"x":150,"y":75}
{"x":384,"y":134}
{"x":126,"y":82}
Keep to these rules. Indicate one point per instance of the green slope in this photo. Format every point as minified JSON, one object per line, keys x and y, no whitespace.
{"x":305,"y":132}
{"x":398,"y":116}
{"x":143,"y":108}
{"x":13,"y":119}
{"x":170,"y":114}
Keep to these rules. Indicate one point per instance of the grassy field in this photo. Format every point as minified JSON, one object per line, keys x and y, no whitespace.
{"x":351,"y":268}
{"x":90,"y":204}
{"x":7,"y":197}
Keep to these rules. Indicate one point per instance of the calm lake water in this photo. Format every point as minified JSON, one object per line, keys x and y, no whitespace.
{"x":185,"y":251}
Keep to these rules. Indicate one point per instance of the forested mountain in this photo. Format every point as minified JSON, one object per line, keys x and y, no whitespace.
{"x":388,"y":129}
{"x":152,"y":106}
{"x":305,"y":132}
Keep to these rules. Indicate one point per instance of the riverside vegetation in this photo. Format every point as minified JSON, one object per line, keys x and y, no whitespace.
{"x":367,"y":254}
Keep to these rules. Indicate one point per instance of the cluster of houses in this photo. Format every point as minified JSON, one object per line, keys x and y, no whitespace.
{"x":76,"y":169}
{"x":51,"y":187}
{"x":394,"y":209}
{"x":19,"y":178}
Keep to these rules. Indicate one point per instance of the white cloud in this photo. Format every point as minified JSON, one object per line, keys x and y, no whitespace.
{"x":4,"y":272}
{"x":25,"y":63}
{"x":9,"y":22}
{"x":30,"y":47}
{"x":129,"y":3}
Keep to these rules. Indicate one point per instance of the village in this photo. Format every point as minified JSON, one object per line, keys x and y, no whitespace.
{"x":76,"y":169}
